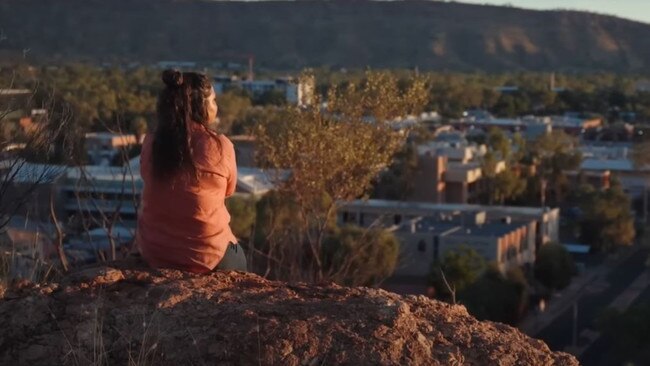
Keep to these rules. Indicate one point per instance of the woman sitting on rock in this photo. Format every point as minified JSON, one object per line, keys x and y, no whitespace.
{"x":188,"y":171}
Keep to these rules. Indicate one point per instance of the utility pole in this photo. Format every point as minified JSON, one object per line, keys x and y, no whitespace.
{"x":645,"y":203}
{"x":575,"y":323}
{"x":251,"y":60}
{"x":552,"y":82}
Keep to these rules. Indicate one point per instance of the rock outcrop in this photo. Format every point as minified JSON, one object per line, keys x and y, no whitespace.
{"x":124,"y":316}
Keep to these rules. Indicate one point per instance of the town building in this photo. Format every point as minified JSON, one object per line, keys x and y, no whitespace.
{"x":103,"y":147}
{"x":505,"y":236}
{"x":297,"y":92}
{"x":449,"y":173}
{"x":425,"y":240}
{"x":245,"y":149}
{"x":530,"y":126}
{"x":386,"y":213}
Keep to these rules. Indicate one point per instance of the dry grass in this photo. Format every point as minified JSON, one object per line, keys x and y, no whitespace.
{"x":16,"y":266}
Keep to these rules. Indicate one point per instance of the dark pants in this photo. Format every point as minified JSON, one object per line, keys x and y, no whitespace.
{"x":233,"y":260}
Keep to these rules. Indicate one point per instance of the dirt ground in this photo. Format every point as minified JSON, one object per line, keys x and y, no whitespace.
{"x":137,"y":316}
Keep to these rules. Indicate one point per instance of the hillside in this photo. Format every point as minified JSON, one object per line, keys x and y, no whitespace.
{"x":122,"y":315}
{"x":292,"y":35}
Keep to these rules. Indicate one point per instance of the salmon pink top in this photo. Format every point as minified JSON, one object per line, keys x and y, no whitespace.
{"x":183,"y":223}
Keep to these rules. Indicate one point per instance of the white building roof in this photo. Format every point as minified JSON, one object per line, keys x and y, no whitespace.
{"x":257,"y":181}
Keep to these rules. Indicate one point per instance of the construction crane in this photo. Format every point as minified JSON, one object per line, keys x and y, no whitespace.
{"x":250,"y":58}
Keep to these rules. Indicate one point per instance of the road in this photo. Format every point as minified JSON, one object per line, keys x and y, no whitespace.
{"x":601,"y":353}
{"x":599,"y":295}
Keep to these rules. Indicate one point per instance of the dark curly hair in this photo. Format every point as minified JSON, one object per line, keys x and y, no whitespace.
{"x":181,"y":103}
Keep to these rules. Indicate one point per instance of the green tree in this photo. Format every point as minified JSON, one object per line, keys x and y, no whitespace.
{"x":460,"y":268}
{"x":508,"y":185}
{"x":355,"y":256}
{"x":232,"y":107}
{"x":396,"y":182}
{"x":496,"y":297}
{"x":242,"y":212}
{"x":139,"y":126}
{"x":607,"y":221}
{"x":252,"y":117}
{"x":271,"y":97}
{"x":554,"y":266}
{"x":555,"y":154}
{"x":629,"y":332}
{"x":499,"y":143}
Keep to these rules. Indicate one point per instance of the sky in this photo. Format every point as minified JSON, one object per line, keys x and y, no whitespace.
{"x":631,"y":9}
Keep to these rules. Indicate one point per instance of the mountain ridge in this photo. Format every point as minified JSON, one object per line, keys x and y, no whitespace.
{"x":351,"y":34}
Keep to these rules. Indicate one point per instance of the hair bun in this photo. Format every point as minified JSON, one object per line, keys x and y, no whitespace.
{"x":172,"y":78}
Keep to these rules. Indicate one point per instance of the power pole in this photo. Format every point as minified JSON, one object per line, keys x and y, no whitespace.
{"x":645,"y":203}
{"x":575,"y":323}
{"x":251,"y":60}
{"x":552,"y":81}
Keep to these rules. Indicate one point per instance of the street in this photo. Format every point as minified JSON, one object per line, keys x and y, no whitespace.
{"x":597,"y":296}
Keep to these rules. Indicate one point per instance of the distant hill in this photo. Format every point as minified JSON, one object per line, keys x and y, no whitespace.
{"x":350,"y":33}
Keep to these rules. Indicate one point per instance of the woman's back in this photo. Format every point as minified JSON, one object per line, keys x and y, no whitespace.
{"x":183,"y":222}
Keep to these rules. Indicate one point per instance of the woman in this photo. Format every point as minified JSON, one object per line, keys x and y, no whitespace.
{"x":188,"y":171}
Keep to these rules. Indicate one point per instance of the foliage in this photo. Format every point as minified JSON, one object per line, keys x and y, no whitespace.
{"x":250,"y":118}
{"x":607,"y":221}
{"x":629,"y":332}
{"x":232,"y":107}
{"x":555,"y":154}
{"x":103,"y":98}
{"x":360,"y":257}
{"x":139,"y":126}
{"x":397,"y":181}
{"x":641,"y":154}
{"x":336,"y":153}
{"x":497,"y":297}
{"x":554,"y":266}
{"x":271,"y":97}
{"x":499,"y":143}
{"x":242,"y":212}
{"x":461,"y":268}
{"x":482,"y":288}
{"x":507,"y":184}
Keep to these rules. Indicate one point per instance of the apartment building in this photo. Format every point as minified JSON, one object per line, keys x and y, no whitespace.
{"x":449,"y":173}
{"x":386,"y":213}
{"x":425,"y":240}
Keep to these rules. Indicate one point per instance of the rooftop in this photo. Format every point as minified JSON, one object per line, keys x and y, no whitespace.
{"x":15,"y":91}
{"x":491,"y":229}
{"x":256,"y":181}
{"x":620,"y":165}
{"x":108,"y":135}
{"x":449,"y":207}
